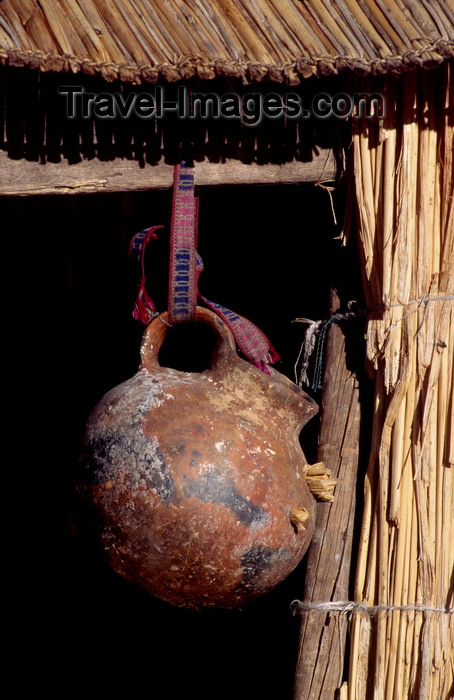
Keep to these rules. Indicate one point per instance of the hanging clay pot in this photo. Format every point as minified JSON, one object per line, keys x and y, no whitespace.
{"x":191,"y":483}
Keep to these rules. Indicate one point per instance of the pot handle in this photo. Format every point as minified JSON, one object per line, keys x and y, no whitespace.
{"x":156,"y":330}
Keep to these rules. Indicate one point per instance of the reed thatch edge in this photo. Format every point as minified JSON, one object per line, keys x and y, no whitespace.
{"x":184,"y":67}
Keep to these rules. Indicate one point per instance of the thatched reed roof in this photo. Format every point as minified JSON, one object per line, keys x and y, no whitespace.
{"x":282,"y":40}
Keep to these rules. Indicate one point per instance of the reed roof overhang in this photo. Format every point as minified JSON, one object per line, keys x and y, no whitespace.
{"x":281,"y":40}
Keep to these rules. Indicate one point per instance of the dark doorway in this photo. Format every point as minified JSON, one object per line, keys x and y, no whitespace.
{"x":270,"y":254}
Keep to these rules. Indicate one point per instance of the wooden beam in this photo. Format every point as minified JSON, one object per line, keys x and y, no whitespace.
{"x":323,"y":635}
{"x":22,"y":177}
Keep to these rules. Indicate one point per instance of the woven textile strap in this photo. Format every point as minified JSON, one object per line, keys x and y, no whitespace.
{"x":183,"y":243}
{"x":254,"y":344}
{"x":185,"y":267}
{"x":250,"y":339}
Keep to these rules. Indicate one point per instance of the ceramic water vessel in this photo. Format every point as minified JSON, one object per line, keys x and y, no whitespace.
{"x":191,"y":483}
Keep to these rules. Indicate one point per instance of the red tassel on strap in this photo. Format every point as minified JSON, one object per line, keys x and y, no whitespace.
{"x":144,"y":308}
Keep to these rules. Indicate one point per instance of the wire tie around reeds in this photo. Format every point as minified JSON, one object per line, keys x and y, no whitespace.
{"x":348,"y":607}
{"x":307,"y":347}
{"x":424,"y":300}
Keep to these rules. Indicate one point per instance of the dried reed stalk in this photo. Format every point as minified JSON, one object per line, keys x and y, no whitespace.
{"x":404,"y":179}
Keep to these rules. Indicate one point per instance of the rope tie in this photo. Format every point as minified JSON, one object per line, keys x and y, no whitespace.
{"x":314,"y":341}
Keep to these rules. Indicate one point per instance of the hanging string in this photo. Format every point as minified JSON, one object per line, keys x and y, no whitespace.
{"x":328,"y":188}
{"x":319,"y":355}
{"x":307,"y":347}
{"x":314,"y":341}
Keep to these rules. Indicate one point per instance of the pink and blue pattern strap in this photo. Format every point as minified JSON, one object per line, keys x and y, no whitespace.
{"x":183,"y":244}
{"x":254,"y":345}
{"x":184,"y":269}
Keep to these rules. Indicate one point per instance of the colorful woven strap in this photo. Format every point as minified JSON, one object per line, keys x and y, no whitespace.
{"x":185,"y":268}
{"x":183,"y":243}
{"x":250,"y":339}
{"x":254,"y":345}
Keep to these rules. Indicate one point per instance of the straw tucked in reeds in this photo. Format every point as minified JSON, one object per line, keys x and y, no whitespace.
{"x":404,"y":184}
{"x":281,"y":40}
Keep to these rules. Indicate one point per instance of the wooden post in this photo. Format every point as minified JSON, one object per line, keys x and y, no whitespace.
{"x":323,"y":634}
